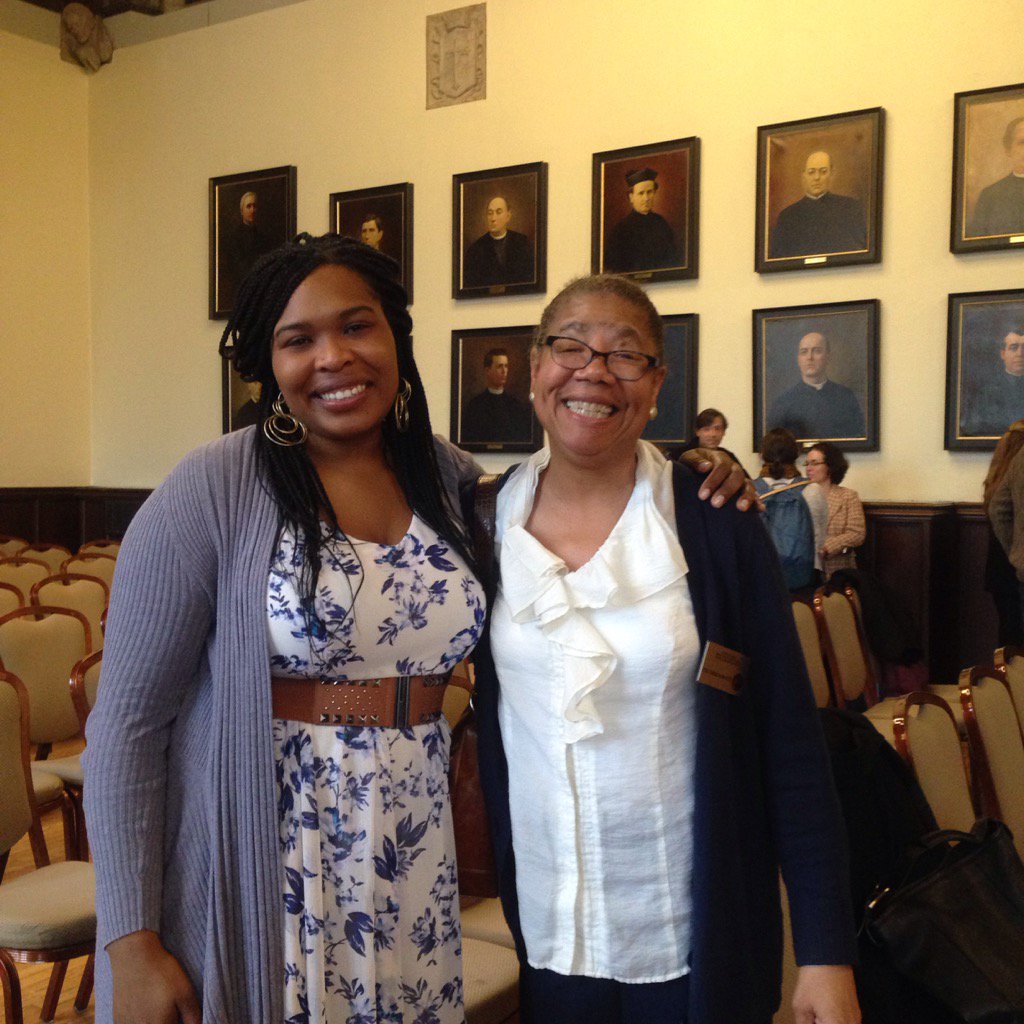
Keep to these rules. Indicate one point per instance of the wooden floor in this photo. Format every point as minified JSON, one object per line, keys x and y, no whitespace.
{"x":34,"y":978}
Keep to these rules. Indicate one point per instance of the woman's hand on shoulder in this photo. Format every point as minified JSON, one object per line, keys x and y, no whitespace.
{"x":725,"y":478}
{"x":825,"y":994}
{"x":150,"y":986}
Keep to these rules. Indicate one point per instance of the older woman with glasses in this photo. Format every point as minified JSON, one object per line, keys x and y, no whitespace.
{"x":827,"y":466}
{"x":649,"y":746}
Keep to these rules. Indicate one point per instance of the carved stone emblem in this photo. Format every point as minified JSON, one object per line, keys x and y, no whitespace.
{"x":457,"y":56}
{"x":84,"y":38}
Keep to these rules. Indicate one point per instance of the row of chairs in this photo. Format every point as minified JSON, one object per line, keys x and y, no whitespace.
{"x":47,"y":915}
{"x":966,"y":743}
{"x":55,"y":553}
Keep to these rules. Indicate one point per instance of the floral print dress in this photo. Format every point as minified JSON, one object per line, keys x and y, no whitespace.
{"x":371,"y":901}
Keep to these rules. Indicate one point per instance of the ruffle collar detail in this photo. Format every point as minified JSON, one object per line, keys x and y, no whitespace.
{"x":640,"y":557}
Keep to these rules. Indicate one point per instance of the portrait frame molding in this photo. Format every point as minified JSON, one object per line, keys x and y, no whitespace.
{"x":761,"y":318}
{"x":764,"y":263}
{"x":403,"y":192}
{"x":539,"y":171}
{"x":953,"y":440}
{"x":689,"y":269}
{"x":689,"y":368}
{"x":481,"y":335}
{"x":959,"y":241}
{"x":218,"y":309}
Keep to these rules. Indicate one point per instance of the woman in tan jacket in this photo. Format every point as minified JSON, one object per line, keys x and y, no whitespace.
{"x":827,"y":466}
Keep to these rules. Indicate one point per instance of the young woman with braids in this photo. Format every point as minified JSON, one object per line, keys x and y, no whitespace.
{"x":267,"y":792}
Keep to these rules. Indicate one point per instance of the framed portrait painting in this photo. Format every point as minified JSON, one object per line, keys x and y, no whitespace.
{"x":238,"y":400}
{"x":491,"y":410}
{"x":250,"y":214}
{"x":499,"y":231}
{"x":816,"y":373}
{"x":381,"y":217}
{"x":988,"y":170}
{"x":819,"y":192}
{"x":984,"y":367}
{"x":677,"y":400}
{"x":645,"y":211}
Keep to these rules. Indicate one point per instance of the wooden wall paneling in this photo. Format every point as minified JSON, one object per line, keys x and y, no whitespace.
{"x":68,"y":515}
{"x":910,"y":547}
{"x":977,"y":622}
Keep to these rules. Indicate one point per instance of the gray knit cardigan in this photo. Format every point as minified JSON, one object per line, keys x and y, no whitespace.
{"x":181,"y":793}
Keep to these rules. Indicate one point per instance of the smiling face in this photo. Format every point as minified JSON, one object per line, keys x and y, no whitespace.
{"x":333,"y":355}
{"x":711,"y":435}
{"x":1013,"y":354}
{"x":591,"y":417}
{"x":641,"y":196}
{"x":812,"y":358}
{"x":498,"y":216}
{"x":817,"y":174}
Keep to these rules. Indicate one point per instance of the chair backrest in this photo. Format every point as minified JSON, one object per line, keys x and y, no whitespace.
{"x":11,"y":597}
{"x":85,"y":684}
{"x":41,"y":645}
{"x":52,"y":554}
{"x":807,"y":630}
{"x":86,"y":594}
{"x":997,"y":747}
{"x":1009,"y":664}
{"x":100,"y":547}
{"x":23,"y":572}
{"x":844,"y":645}
{"x":927,"y":737}
{"x":10,"y":546}
{"x":15,"y":775}
{"x":100,"y":566}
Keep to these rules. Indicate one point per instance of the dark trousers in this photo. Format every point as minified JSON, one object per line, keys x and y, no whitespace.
{"x":549,"y":998}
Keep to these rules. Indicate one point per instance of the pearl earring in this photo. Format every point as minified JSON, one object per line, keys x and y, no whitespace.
{"x":654,"y":412}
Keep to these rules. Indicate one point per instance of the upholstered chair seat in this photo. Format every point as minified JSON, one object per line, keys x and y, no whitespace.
{"x":30,"y":917}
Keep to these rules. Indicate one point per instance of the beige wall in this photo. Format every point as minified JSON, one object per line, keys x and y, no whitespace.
{"x":338,"y":90}
{"x":44,"y":267}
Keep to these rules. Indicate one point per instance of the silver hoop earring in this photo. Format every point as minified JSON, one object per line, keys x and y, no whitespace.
{"x":282,"y":427}
{"x":654,"y":412}
{"x":401,"y":408}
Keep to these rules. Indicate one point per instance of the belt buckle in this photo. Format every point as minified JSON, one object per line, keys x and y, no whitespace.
{"x":402,"y":688}
{"x":337,"y":697}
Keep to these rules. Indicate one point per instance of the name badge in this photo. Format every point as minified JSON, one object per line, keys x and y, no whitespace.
{"x":722,"y":668}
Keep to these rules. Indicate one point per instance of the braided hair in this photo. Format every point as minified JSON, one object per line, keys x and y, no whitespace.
{"x":289,"y":474}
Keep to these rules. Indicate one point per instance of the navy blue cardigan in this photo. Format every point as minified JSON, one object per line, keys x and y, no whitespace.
{"x":763,"y":788}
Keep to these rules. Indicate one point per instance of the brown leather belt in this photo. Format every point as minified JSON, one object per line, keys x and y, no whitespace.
{"x":392,"y":703}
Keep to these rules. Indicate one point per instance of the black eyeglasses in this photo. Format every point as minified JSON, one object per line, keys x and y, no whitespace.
{"x":573,"y":354}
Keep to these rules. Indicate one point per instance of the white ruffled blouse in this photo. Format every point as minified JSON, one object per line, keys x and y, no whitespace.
{"x":597,"y":670}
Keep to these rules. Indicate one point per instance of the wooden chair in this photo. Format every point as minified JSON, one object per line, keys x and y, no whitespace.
{"x":845,"y":648}
{"x":997,"y":747}
{"x":49,"y":914}
{"x":23,"y":573}
{"x":52,"y":554}
{"x":810,"y":642}
{"x":105,"y":546}
{"x":86,"y":594}
{"x":10,"y":546}
{"x":927,"y":737}
{"x":100,"y":566}
{"x":1009,"y":665}
{"x":11,"y":597}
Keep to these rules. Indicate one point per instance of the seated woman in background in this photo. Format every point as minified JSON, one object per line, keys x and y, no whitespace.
{"x":827,"y":466}
{"x":798,"y":537}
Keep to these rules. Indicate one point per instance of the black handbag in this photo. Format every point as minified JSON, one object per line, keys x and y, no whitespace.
{"x":954,"y":922}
